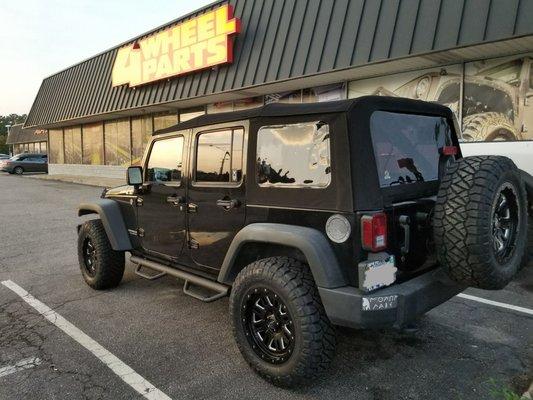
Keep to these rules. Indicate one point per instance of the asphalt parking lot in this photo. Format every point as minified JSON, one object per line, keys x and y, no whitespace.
{"x":462,"y":349}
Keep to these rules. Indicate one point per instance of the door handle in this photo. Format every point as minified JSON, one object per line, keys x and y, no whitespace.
{"x":176,"y":200}
{"x":228,"y":204}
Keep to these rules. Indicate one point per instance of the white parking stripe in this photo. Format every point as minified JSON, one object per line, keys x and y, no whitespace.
{"x":21,"y":365}
{"x":496,"y":303}
{"x":123,"y":371}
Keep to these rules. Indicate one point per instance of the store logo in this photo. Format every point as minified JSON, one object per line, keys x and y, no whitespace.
{"x":198,"y":43}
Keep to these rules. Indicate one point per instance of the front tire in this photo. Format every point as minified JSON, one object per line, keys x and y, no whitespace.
{"x":101,"y":266}
{"x":18,"y":170}
{"x":279,"y":322}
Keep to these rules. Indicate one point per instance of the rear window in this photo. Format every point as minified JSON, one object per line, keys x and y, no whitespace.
{"x":407,"y":146}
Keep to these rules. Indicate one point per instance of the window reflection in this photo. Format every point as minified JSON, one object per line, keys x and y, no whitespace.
{"x":219,"y":156}
{"x":73,"y":145}
{"x":294,"y":155}
{"x":141,"y":130}
{"x":56,"y":151}
{"x":406,"y":146}
{"x":93,"y":144}
{"x":117,"y":142}
{"x":166,"y":160}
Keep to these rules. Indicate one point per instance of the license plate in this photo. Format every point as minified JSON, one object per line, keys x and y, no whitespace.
{"x":376,"y":274}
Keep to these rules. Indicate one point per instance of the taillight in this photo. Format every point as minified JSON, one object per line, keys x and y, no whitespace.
{"x":374,"y":232}
{"x":449,"y":150}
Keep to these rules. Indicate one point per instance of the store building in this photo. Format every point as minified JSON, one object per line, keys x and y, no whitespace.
{"x":27,"y":140}
{"x":472,"y":55}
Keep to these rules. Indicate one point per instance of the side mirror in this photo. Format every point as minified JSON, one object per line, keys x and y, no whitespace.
{"x":134,"y":176}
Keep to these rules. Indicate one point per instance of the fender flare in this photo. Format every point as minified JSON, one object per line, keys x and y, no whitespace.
{"x":311,"y":242}
{"x":111,"y":217}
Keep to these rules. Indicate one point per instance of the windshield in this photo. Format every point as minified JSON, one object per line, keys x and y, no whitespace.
{"x":407,"y":146}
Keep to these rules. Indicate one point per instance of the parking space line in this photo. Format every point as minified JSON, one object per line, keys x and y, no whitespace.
{"x":496,"y":303}
{"x":122,"y":370}
{"x":20,"y":366}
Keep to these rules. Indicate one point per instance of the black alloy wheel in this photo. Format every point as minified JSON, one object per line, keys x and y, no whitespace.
{"x":505,"y":223}
{"x":268,"y":325}
{"x":89,"y":257}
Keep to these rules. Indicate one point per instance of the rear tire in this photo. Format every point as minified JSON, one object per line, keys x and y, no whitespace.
{"x":101,"y":266}
{"x":480,"y":221}
{"x":279,"y":295}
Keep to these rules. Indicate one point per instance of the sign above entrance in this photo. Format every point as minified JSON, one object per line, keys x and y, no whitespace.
{"x":198,"y":43}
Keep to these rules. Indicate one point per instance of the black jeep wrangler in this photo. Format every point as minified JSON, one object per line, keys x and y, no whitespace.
{"x":360,"y":213}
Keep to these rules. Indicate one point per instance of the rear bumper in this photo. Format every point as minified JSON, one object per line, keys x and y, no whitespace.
{"x":395,"y":305}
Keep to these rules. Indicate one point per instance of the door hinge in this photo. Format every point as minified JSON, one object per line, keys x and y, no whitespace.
{"x":193,"y":244}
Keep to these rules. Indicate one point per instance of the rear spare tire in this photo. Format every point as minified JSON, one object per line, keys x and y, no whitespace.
{"x":480,"y":221}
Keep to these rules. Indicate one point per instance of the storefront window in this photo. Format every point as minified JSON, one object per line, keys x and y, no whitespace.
{"x":55,"y":139}
{"x":495,"y":105}
{"x":73,"y":145}
{"x":220,"y":107}
{"x":93,"y":144}
{"x":117,"y":142}
{"x":250,"y":102}
{"x":164,"y":121}
{"x":284,"y":97}
{"x":325,"y":93}
{"x":141,"y":131}
{"x":43,"y":147}
{"x":441,"y":85}
{"x":186,"y":115}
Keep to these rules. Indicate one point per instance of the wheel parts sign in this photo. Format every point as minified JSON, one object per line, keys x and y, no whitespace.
{"x":196,"y":44}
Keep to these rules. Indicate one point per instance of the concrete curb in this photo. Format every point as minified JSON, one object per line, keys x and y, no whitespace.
{"x":80,"y":180}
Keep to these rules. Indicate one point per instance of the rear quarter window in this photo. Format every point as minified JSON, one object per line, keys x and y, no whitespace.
{"x":294,"y":155}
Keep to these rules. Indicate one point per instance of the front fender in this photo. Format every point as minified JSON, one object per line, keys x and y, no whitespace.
{"x":311,"y":242}
{"x":112,"y":220}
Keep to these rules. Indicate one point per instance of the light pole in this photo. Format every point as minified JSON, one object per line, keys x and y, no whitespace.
{"x":8,"y":127}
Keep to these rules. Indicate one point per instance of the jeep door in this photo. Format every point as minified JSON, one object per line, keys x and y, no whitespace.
{"x":161,"y":213}
{"x":216,"y":193}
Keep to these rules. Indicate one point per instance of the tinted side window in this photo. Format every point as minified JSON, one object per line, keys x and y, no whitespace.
{"x":295,"y":155}
{"x":219,"y":156}
{"x":165,"y":162}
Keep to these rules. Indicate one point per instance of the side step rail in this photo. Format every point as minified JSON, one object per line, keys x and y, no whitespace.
{"x":146,"y":276}
{"x":220,"y":289}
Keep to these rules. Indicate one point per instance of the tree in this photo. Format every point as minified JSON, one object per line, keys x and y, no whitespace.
{"x":11,"y":120}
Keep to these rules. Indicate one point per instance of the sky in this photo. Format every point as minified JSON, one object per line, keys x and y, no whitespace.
{"x":41,"y":37}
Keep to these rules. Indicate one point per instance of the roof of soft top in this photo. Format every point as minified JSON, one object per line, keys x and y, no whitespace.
{"x":281,"y":109}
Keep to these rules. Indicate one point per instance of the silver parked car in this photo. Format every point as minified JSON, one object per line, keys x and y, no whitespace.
{"x":26,"y":162}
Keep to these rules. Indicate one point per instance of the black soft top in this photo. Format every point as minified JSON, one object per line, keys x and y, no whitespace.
{"x":281,"y":110}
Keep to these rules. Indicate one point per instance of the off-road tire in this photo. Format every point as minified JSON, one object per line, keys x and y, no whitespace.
{"x":463,"y":221}
{"x":488,"y":126}
{"x":18,"y":170}
{"x":314,"y":336}
{"x":528,"y":255}
{"x":109,"y":264}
